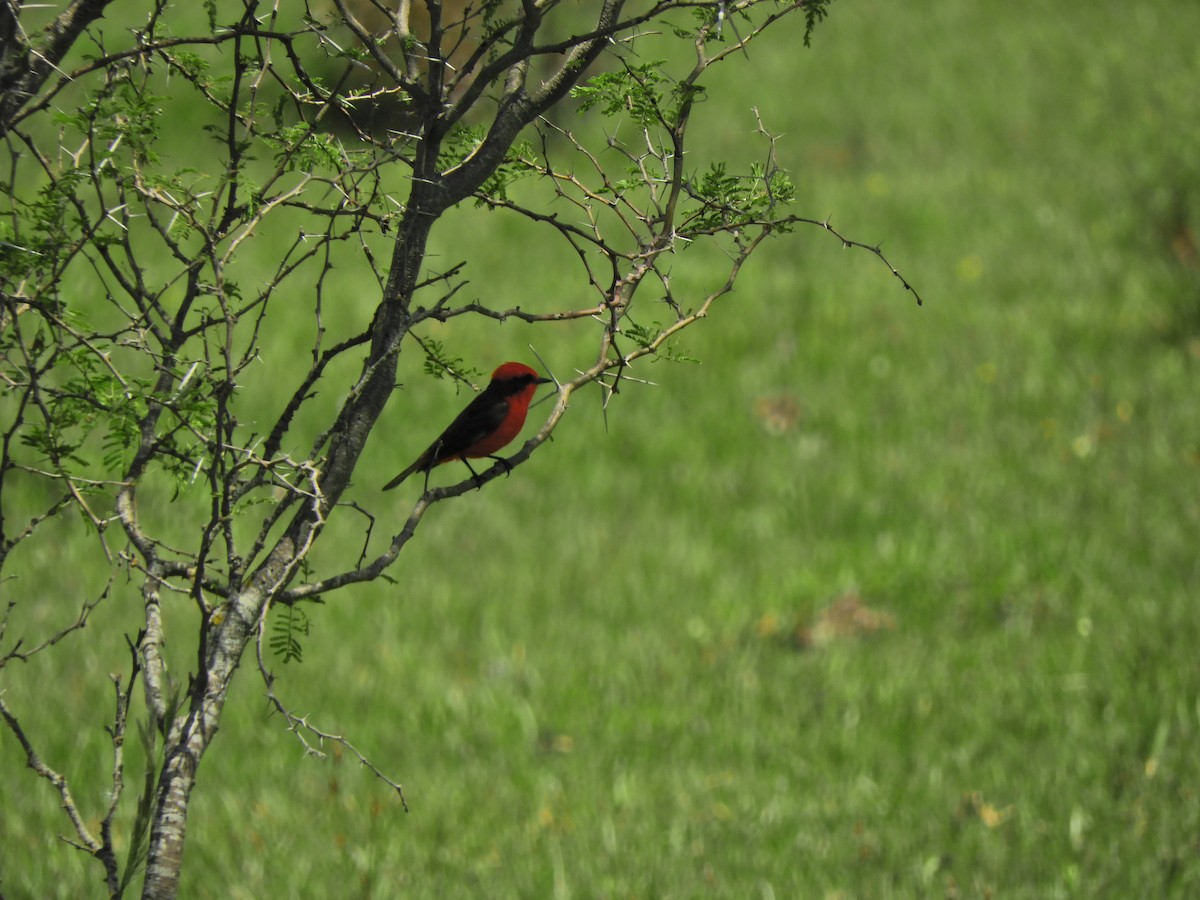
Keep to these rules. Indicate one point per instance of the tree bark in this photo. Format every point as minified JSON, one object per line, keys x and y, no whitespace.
{"x":178,"y":776}
{"x":25,"y":65}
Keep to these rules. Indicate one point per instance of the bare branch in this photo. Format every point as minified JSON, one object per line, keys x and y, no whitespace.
{"x":303,"y":728}
{"x":83,"y":837}
{"x":87,"y":607}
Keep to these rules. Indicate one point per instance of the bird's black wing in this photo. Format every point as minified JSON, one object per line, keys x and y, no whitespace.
{"x":482,"y":416}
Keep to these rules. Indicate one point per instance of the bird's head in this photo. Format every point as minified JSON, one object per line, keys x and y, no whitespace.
{"x":515,"y":374}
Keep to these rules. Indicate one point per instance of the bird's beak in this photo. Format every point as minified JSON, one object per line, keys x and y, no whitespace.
{"x":545,"y":381}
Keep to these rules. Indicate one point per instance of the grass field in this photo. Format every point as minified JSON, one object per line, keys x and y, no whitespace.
{"x":588,"y":675}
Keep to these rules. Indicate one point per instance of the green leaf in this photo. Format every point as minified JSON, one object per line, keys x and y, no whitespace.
{"x":290,"y":624}
{"x":720,"y":200}
{"x":636,"y":91}
{"x":299,"y":148}
{"x":646,"y":335}
{"x":439,"y":363}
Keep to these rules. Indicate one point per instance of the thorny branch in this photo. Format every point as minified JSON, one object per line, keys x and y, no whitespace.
{"x":303,"y":728}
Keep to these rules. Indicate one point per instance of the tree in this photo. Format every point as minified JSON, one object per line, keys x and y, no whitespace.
{"x":140,"y":325}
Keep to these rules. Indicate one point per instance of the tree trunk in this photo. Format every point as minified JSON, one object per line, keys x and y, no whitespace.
{"x":190,"y":735}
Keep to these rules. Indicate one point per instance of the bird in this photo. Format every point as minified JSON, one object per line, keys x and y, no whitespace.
{"x":489,"y":422}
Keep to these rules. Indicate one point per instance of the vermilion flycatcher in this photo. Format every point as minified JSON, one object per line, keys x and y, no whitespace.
{"x":489,"y":422}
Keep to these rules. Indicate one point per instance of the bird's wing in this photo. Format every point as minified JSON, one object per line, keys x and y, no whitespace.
{"x":482,"y":416}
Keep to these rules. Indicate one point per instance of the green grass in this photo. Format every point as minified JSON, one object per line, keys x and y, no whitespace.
{"x":584,"y":674}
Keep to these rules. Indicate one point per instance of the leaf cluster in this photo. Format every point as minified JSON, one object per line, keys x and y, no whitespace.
{"x":288,"y":625}
{"x":721,"y":200}
{"x":635,"y":91}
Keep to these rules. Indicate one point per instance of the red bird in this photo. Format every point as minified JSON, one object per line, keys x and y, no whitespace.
{"x":489,"y":422}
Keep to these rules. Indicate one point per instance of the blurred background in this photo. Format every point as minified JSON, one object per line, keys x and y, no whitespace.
{"x":871,"y":600}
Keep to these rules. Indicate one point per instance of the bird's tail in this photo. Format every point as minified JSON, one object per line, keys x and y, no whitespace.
{"x":399,"y":478}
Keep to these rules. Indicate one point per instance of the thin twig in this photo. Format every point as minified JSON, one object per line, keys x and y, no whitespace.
{"x":83,"y":837}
